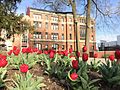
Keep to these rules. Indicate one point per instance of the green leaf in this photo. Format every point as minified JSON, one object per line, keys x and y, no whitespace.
{"x":93,"y":81}
{"x":3,"y":74}
{"x":84,"y":83}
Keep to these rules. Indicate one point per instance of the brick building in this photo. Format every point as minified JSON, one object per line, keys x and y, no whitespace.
{"x":56,"y":30}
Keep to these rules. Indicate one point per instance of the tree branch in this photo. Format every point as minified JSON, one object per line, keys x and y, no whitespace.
{"x":99,"y":9}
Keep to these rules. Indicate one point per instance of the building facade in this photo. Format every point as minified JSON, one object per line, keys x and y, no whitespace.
{"x":56,"y":30}
{"x":109,"y":46}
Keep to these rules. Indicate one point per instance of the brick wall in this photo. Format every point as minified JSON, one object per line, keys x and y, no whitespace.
{"x":102,"y":53}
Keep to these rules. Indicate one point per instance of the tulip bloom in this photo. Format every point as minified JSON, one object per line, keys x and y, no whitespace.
{"x":3,"y":62}
{"x":75,"y":64}
{"x":16,"y":52}
{"x":14,"y":48}
{"x":85,"y":56}
{"x":51,"y":55}
{"x":39,"y":52}
{"x":45,"y":52}
{"x":84,"y":49}
{"x":111,"y":57}
{"x":10,"y":52}
{"x":35,"y":49}
{"x":74,"y":76}
{"x":78,"y":54}
{"x":70,"y":50}
{"x":66,"y":52}
{"x":117,"y":54}
{"x":24,"y":68}
{"x":24,"y":50}
{"x":95,"y":55}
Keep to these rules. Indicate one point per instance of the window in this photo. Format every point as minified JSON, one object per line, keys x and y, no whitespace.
{"x":70,"y":19}
{"x":54,"y":26}
{"x":46,"y":46}
{"x":62,"y":36}
{"x":46,"y":35}
{"x":40,"y":24}
{"x":70,"y":36}
{"x":54,"y":36}
{"x":55,"y":46}
{"x":70,"y":27}
{"x":82,"y":31}
{"x":46,"y":25}
{"x":62,"y":47}
{"x":37,"y":17}
{"x":70,"y":46}
{"x":46,"y":17}
{"x":37,"y":35}
{"x":38,"y":45}
{"x":80,"y":20}
{"x":62,"y":19}
{"x":37,"y":24}
{"x":92,"y":37}
{"x":83,"y":20}
{"x":54,"y":18}
{"x":63,"y":27}
{"x":24,"y":38}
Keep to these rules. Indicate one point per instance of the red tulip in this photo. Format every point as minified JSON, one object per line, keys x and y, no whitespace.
{"x":117,"y":54}
{"x":3,"y":62}
{"x":75,"y":64}
{"x":66,"y":52}
{"x":70,"y":50}
{"x":85,"y":56}
{"x":71,"y":56}
{"x":2,"y":56}
{"x":60,"y":52}
{"x":74,"y":76}
{"x":84,"y":49}
{"x":45,"y":52}
{"x":35,"y":49}
{"x":10,"y":52}
{"x":39,"y":52}
{"x":24,"y":50}
{"x":51,"y":55}
{"x":111,"y":57}
{"x":16,"y":52}
{"x":29,"y":50}
{"x":78,"y":54}
{"x":24,"y":68}
{"x":14,"y":48}
{"x":95,"y":55}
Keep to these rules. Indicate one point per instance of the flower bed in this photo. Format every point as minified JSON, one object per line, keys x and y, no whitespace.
{"x":33,"y":69}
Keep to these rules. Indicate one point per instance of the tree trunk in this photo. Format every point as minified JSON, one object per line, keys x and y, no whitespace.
{"x":11,"y":27}
{"x":75,"y":25}
{"x":87,"y":27}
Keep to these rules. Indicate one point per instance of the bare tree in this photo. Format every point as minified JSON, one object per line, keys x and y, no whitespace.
{"x":101,"y":10}
{"x":88,"y":25}
{"x":56,"y":5}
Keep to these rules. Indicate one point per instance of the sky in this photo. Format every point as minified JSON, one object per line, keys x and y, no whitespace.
{"x":107,"y":34}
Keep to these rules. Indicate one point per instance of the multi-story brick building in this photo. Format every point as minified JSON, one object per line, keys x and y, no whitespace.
{"x":56,"y":30}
